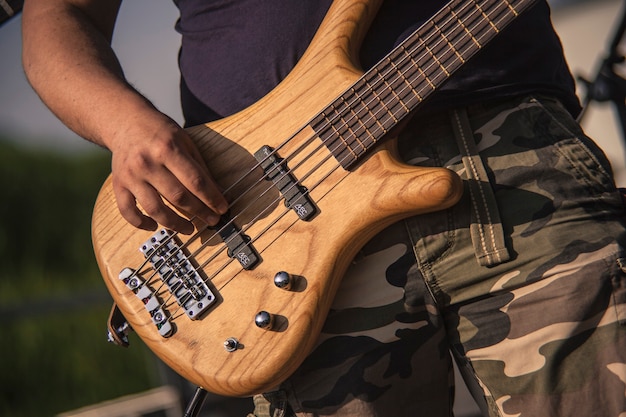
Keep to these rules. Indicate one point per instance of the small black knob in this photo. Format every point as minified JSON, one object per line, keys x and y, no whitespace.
{"x":283,"y":280}
{"x":264,"y":320}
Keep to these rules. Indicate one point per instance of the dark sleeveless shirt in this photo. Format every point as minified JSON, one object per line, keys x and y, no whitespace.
{"x":234,"y":52}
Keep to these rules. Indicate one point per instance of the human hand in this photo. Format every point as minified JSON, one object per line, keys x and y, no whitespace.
{"x":70,"y":63}
{"x":154,"y":162}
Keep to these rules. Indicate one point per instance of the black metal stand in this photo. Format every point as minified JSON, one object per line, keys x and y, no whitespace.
{"x":10,"y":9}
{"x":196,"y":403}
{"x":607,"y":85}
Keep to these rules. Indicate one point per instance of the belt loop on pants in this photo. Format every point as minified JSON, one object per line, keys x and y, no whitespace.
{"x":486,"y":227}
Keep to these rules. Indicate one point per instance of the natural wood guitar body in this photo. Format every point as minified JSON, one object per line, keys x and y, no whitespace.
{"x":352,"y":206}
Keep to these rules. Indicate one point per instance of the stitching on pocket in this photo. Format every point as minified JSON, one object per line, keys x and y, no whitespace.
{"x":577,"y":135}
{"x":619,"y":291}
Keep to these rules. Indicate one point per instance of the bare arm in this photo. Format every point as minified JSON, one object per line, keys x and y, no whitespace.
{"x":69,"y":62}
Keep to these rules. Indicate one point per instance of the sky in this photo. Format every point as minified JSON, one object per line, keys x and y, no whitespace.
{"x":147,"y":46}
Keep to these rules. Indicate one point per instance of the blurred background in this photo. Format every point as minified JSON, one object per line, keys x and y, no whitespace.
{"x":53,"y":303}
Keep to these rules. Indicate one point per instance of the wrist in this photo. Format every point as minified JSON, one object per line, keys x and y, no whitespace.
{"x":136,"y":119}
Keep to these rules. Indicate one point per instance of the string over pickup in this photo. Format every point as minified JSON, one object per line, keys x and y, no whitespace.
{"x":296,"y":196}
{"x":238,"y":243}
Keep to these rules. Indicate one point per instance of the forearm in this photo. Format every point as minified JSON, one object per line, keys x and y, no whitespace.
{"x":69,"y":62}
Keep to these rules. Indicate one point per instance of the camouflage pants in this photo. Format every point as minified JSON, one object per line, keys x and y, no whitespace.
{"x":522,"y":282}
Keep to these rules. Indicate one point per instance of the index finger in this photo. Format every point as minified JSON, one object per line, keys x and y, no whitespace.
{"x":192,"y":172}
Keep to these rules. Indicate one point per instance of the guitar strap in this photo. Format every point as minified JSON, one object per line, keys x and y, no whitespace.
{"x":486,"y":227}
{"x":9,"y":8}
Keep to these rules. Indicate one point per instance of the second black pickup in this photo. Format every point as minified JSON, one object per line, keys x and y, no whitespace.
{"x":296,"y":196}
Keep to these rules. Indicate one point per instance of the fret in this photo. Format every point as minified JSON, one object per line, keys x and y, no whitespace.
{"x":421,"y":68}
{"x":407,"y":93}
{"x":396,"y":91}
{"x":389,"y":93}
{"x":343,"y":131}
{"x":355,"y":126}
{"x":466,"y":29}
{"x":361,"y":118}
{"x":428,"y":81}
{"x":385,"y":104}
{"x":450,"y":37}
{"x":407,"y":68}
{"x":511,"y":8}
{"x":386,"y":115}
{"x":431,"y":73}
{"x":365,"y":99}
{"x":502,"y":14}
{"x":436,"y":58}
{"x":379,"y":110}
{"x":396,"y":86}
{"x":336,"y":142}
{"x":461,"y":29}
{"x":400,"y":82}
{"x":354,"y":129}
{"x":486,"y":16}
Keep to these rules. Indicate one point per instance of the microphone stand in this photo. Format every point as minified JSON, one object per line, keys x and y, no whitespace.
{"x":9,"y":9}
{"x":195,"y":405}
{"x":608,"y":85}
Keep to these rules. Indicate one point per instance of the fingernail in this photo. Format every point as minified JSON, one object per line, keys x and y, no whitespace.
{"x":212,"y":220}
{"x":187,"y":228}
{"x":222,"y":208}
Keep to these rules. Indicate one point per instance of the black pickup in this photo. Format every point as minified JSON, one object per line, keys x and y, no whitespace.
{"x":296,"y":196}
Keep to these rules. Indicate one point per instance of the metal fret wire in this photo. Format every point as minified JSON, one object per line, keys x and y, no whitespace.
{"x":377,"y":96}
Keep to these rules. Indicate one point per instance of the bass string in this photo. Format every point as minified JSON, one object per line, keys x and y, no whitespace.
{"x":194,"y":237}
{"x":387,"y":66}
{"x":459,"y":43}
{"x":277,"y":200}
{"x":346,"y":121}
{"x":473,"y":11}
{"x":216,"y":232}
{"x":252,"y":240}
{"x":455,"y":42}
{"x":243,"y":230}
{"x":351,"y":119}
{"x":286,"y":210}
{"x":329,"y":122}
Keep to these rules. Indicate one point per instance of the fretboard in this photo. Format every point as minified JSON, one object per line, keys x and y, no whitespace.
{"x":401,"y":81}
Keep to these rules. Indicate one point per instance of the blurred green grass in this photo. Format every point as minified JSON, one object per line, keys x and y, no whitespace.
{"x":53,"y":302}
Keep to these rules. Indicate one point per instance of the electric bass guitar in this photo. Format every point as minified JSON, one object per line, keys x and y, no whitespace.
{"x":237,"y":307}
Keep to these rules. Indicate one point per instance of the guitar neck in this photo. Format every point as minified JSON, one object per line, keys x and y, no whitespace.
{"x":411,"y":72}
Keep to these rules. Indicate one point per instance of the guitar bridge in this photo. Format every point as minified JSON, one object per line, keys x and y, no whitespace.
{"x":178,"y":273}
{"x":149,"y":299}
